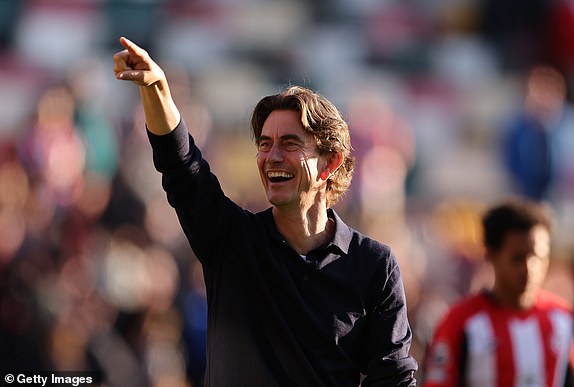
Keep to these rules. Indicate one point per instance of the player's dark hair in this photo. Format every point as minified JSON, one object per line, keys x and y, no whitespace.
{"x":516,"y":214}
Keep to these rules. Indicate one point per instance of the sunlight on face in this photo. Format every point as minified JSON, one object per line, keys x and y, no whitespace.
{"x":539,"y":260}
{"x":541,"y":241}
{"x":288,"y":161}
{"x":521,"y":264}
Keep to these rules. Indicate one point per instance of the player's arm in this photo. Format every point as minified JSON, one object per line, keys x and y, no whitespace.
{"x":445,"y":359}
{"x":134,"y":64}
{"x":569,"y":378}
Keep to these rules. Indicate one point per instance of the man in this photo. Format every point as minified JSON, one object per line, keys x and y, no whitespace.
{"x":295,"y":296}
{"x":538,"y":142}
{"x":515,"y":334}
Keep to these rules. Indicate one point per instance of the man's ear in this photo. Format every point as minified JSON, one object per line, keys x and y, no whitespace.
{"x":333,"y":163}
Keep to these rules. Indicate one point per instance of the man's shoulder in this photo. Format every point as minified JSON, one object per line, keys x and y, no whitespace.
{"x":547,"y":300}
{"x":467,"y":307}
{"x":372,"y":252}
{"x":370,"y":245}
{"x":355,"y":243}
{"x":362,"y":242}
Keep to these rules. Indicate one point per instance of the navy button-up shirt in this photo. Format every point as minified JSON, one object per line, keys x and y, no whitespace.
{"x":275,"y":319}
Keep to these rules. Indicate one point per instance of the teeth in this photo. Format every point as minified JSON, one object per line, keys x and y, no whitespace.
{"x":284,"y":175}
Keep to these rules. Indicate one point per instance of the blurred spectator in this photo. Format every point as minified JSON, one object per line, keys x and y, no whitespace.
{"x":385,"y":152}
{"x":100,"y":138}
{"x":14,"y":197}
{"x":539,"y":139}
{"x":53,"y":151}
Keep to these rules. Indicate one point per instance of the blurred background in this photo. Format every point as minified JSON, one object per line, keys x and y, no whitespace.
{"x":453,"y":105}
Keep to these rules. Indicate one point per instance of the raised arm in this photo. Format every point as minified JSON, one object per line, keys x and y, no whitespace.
{"x":134,"y":64}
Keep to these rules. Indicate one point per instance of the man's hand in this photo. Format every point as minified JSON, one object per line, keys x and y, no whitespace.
{"x":134,"y":64}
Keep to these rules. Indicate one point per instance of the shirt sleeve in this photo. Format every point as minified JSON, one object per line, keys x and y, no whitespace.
{"x":569,"y":379}
{"x":445,"y":358}
{"x":389,"y":336}
{"x":204,"y":212}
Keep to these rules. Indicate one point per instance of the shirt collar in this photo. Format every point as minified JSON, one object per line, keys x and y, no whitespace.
{"x":343,"y":233}
{"x":341,"y":239}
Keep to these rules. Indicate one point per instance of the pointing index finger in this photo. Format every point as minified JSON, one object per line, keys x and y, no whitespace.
{"x":133,"y":48}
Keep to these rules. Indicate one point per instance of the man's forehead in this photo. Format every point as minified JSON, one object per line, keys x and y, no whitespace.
{"x":529,"y":239}
{"x":282,"y":119}
{"x":284,"y":130}
{"x":283,"y":135}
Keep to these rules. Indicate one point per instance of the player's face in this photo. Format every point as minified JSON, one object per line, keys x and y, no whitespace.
{"x":289,"y":161}
{"x":521,"y":264}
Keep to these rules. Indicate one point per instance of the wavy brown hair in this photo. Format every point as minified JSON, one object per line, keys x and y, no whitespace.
{"x":320,"y":118}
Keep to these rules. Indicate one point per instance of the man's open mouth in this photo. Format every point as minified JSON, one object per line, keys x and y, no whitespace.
{"x":277,"y":177}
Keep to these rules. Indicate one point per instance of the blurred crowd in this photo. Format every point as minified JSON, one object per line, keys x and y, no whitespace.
{"x":452,"y":105}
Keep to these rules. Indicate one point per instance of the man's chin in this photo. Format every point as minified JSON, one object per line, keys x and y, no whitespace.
{"x":281,"y":202}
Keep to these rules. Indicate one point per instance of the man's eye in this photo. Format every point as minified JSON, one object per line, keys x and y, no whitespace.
{"x":291,"y":145}
{"x":264,"y":146}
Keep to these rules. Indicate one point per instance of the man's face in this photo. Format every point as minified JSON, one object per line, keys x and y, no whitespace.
{"x":288,"y":160}
{"x":521,"y":264}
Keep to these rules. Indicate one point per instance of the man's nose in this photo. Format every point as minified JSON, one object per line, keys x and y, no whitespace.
{"x":275,"y":153}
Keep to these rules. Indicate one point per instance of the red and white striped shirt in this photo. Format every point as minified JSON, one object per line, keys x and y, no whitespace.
{"x":480,"y":343}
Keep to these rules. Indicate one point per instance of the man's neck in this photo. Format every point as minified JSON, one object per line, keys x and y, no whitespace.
{"x":304,"y":230}
{"x":524,"y":301}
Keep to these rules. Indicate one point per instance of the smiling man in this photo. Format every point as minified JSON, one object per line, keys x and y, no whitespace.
{"x":295,"y":296}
